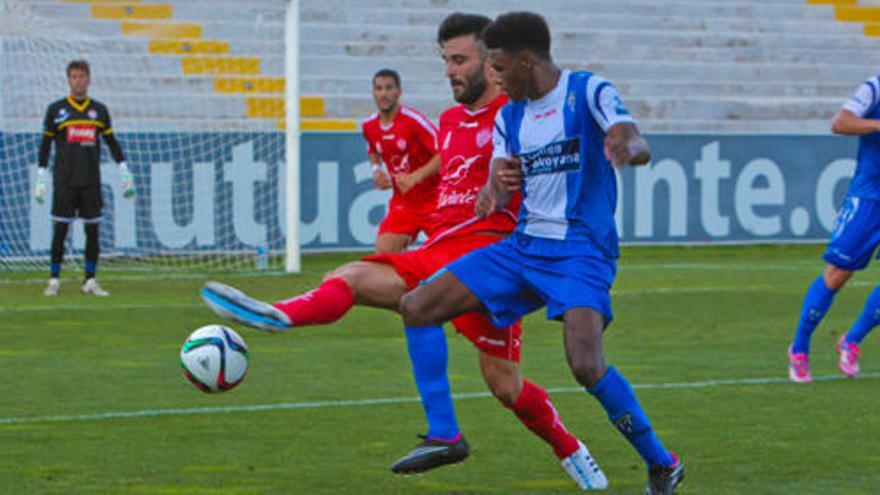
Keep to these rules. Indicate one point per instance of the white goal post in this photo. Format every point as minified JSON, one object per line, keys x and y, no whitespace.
{"x":292,"y":254}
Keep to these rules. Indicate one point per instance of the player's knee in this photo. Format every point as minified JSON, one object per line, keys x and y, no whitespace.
{"x":588,"y":372}
{"x":413,"y":311}
{"x":836,"y":278}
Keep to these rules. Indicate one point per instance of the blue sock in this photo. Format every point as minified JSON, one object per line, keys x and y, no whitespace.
{"x":55,"y":270}
{"x":90,"y":269}
{"x":428,"y":353}
{"x":816,"y":303}
{"x":869,"y":318}
{"x":624,"y":411}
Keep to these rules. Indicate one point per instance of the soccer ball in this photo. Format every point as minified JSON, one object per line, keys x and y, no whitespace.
{"x":214,"y":358}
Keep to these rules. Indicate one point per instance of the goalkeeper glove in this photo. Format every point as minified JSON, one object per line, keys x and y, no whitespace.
{"x":127,"y":180}
{"x":40,"y":190}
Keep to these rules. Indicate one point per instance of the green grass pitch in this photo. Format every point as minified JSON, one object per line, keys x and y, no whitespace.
{"x":701,"y":332}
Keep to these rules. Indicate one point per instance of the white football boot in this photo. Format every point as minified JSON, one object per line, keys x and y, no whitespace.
{"x":91,"y":287}
{"x":584,"y":471}
{"x":53,"y":287}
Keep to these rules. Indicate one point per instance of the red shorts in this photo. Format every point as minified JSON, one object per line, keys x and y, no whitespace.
{"x":419,"y":264}
{"x":407,"y":221}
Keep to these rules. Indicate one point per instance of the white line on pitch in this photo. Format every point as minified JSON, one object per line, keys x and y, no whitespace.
{"x":146,"y":413}
{"x":615,"y":292}
{"x":625,"y":265}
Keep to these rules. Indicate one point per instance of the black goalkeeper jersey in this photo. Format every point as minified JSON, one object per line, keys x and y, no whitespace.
{"x":76,"y":127}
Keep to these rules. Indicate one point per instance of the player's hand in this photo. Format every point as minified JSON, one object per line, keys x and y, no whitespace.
{"x":508,"y":174}
{"x":381,"y":180}
{"x":40,"y":190}
{"x":486,"y":202}
{"x":127,"y":180}
{"x":128,"y":189}
{"x":625,"y":146}
{"x":405,"y":182}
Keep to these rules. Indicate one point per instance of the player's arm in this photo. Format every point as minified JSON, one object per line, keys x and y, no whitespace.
{"x":624,"y":145}
{"x":505,"y":178}
{"x":405,"y":182}
{"x":380,"y":176}
{"x":505,"y":173}
{"x":850,"y":120}
{"x":49,"y":130}
{"x":127,"y":179}
{"x":425,"y":134}
{"x":847,"y":123}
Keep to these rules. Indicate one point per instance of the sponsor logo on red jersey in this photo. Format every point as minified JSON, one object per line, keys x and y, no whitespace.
{"x":458,"y":168}
{"x":82,"y":134}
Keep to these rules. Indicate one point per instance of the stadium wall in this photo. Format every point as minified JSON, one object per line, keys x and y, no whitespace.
{"x":227,"y":196}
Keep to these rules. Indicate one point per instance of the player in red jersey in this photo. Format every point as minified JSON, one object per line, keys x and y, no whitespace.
{"x":381,"y":280}
{"x":405,"y":141}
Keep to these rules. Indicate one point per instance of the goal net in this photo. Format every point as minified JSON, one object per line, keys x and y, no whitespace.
{"x":197,"y":109}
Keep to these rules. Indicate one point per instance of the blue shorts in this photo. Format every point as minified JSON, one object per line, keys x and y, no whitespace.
{"x":856,"y":234}
{"x":511,"y":279}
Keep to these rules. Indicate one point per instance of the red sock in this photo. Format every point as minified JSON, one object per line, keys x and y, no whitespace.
{"x":534,"y":409}
{"x":326,"y":304}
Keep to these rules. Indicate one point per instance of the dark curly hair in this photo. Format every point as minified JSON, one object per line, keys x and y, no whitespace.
{"x":516,"y":31}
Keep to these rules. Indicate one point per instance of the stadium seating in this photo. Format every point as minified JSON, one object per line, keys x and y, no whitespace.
{"x":763,"y":66}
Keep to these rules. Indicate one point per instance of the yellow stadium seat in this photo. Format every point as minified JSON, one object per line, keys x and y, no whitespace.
{"x":186,"y":30}
{"x":857,"y":14}
{"x":184,"y":47}
{"x":221,"y":65}
{"x":872,"y":29}
{"x":311,"y":106}
{"x":132,"y":11}
{"x":249,"y":85}
{"x":264,"y":108}
{"x":273,"y":107}
{"x":323,"y":125}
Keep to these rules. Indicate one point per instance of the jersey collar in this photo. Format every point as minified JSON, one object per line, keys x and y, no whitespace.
{"x":79,"y":107}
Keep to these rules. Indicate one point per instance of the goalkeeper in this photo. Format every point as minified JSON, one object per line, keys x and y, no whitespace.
{"x":74,"y":124}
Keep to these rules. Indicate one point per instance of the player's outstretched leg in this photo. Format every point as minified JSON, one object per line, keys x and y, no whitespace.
{"x":231,"y":303}
{"x":366,"y":283}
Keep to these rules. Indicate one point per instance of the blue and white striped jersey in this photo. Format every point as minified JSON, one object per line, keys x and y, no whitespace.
{"x":865,"y":103}
{"x":569,"y":187}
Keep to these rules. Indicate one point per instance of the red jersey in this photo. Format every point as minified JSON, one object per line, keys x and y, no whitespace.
{"x":405,"y":145}
{"x":465,"y":154}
